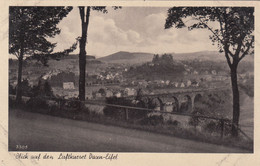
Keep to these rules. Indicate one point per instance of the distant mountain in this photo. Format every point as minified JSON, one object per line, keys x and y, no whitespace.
{"x":127,"y":57}
{"x":139,"y":57}
{"x":202,"y":55}
{"x":205,"y":56}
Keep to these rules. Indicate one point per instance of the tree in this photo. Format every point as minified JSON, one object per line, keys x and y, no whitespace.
{"x":29,"y":28}
{"x":233,"y":36}
{"x":84,"y":16}
{"x":156,"y":58}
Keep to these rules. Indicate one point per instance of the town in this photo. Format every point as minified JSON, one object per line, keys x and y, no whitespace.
{"x":114,"y":80}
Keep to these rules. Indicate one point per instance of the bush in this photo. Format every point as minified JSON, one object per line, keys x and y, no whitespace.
{"x":215,"y":105}
{"x":120,"y":113}
{"x":212,"y":127}
{"x":12,"y":89}
{"x":173,"y":122}
{"x":194,"y":121}
{"x":153,"y":120}
{"x":13,"y":104}
{"x":37,"y":102}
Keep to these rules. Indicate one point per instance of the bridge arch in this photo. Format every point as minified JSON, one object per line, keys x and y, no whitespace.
{"x":186,"y":104}
{"x":175,"y":104}
{"x":158,"y":103}
{"x":197,"y":98}
{"x":196,"y":101}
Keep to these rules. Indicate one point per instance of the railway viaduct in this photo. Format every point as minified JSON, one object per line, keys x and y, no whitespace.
{"x":179,"y":101}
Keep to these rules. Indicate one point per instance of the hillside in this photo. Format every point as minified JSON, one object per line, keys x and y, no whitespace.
{"x":202,"y":55}
{"x":137,"y":58}
{"x":127,"y":57}
{"x":161,"y":67}
{"x":205,"y":56}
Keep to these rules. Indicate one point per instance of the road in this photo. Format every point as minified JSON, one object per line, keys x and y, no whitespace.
{"x":47,"y":133}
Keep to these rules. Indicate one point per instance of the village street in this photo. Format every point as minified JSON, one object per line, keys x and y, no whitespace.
{"x":47,"y":133}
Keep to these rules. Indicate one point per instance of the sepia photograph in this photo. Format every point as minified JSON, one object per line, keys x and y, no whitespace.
{"x":141,"y":79}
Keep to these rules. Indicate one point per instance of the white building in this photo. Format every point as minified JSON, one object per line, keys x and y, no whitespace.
{"x":176,"y":84}
{"x":68,"y":85}
{"x":98,"y":95}
{"x":71,"y":94}
{"x":130,"y":92}
{"x":89,"y":95}
{"x":109,"y":93}
{"x":188,"y":83}
{"x":118,"y":94}
{"x":182,"y":85}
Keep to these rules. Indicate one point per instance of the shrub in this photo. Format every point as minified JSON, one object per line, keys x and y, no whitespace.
{"x":173,"y":122}
{"x":12,"y":90}
{"x":216,"y":105}
{"x":120,"y":113}
{"x":212,"y":127}
{"x":37,"y":102}
{"x":153,"y":120}
{"x":194,"y":121}
{"x":13,"y":104}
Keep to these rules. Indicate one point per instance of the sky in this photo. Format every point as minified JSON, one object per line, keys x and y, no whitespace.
{"x":133,"y":29}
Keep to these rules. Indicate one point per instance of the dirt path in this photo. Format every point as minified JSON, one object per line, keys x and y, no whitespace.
{"x":47,"y":133}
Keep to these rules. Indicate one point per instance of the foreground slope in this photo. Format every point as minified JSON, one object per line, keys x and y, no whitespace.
{"x":47,"y":133}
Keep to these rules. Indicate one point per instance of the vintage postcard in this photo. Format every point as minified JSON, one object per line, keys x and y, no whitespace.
{"x":122,"y":82}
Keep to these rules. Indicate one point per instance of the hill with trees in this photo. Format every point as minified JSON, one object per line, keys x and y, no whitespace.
{"x":127,"y":57}
{"x":160,"y":67}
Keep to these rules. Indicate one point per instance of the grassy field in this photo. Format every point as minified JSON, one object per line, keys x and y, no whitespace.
{"x":47,"y":133}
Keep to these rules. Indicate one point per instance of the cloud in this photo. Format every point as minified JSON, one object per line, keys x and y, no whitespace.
{"x":162,"y":40}
{"x":106,"y":31}
{"x":133,"y":36}
{"x":106,"y":36}
{"x":103,"y":35}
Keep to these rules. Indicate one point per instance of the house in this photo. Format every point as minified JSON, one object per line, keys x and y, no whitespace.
{"x":117,"y":94}
{"x":182,"y":85}
{"x":222,"y":73}
{"x":195,"y":83}
{"x":89,"y":95}
{"x":129,"y":92}
{"x":89,"y":82}
{"x":71,"y":94}
{"x":133,"y":83}
{"x":68,"y":85}
{"x":98,"y":95}
{"x":176,"y":84}
{"x":208,"y":78}
{"x":109,"y":93}
{"x":214,"y":72}
{"x":143,"y":83}
{"x":188,"y":83}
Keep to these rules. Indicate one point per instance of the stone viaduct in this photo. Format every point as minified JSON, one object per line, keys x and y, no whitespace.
{"x":180,"y":101}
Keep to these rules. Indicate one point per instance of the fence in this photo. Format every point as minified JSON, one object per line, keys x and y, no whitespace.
{"x":127,"y":109}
